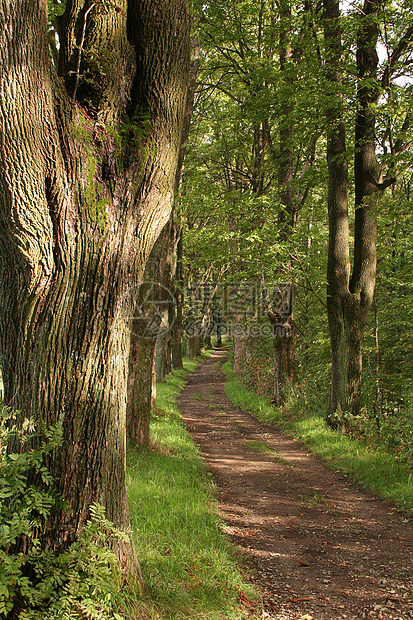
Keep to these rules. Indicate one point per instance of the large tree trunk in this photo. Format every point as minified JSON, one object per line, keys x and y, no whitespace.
{"x":366,"y":177}
{"x":84,"y":192}
{"x":338,"y":267}
{"x":349,"y":299}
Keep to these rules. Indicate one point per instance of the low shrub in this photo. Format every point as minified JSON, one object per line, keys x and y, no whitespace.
{"x":79,"y":584}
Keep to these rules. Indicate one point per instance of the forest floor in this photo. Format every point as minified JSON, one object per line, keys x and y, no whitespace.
{"x":315,"y":545}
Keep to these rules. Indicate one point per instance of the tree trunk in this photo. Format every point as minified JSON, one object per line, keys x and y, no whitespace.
{"x":239,"y":351}
{"x":377,"y":363}
{"x":149,"y":327}
{"x":288,"y":213}
{"x":284,"y":340}
{"x":141,"y":387}
{"x":349,"y":299}
{"x":166,"y":275}
{"x":338,"y":267}
{"x":366,"y":177}
{"x":85,"y":191}
{"x":284,"y":347}
{"x":178,"y":327}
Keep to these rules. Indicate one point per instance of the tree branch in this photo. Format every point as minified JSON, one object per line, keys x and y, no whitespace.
{"x":395,"y":57}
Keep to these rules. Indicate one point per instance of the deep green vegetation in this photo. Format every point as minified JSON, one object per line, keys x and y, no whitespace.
{"x":84,"y":580}
{"x":276,"y":86}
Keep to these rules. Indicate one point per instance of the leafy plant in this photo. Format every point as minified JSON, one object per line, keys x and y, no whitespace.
{"x":80,"y":583}
{"x":55,"y":9}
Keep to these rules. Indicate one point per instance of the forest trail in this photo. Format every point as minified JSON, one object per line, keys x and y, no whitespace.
{"x":316,"y":545}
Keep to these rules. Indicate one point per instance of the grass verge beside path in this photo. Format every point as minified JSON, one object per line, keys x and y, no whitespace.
{"x":189,"y":566}
{"x":376,"y":470}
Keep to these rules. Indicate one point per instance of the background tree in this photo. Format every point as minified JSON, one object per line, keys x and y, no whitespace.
{"x":351,"y":292}
{"x":255,"y":139}
{"x":277,"y":88}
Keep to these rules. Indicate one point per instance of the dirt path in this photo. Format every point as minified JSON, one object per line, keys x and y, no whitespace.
{"x":316,"y":545}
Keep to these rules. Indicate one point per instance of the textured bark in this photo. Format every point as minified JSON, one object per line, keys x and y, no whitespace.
{"x":338,"y":267}
{"x":178,"y":328}
{"x":148,"y":324}
{"x":167,"y":266}
{"x":284,"y":355}
{"x":366,"y":180}
{"x":140,"y":395}
{"x":349,"y":298}
{"x":80,"y":210}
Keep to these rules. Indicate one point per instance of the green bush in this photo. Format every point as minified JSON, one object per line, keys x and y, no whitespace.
{"x":79,"y":584}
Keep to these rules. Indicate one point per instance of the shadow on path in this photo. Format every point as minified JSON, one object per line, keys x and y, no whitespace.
{"x":316,"y":545}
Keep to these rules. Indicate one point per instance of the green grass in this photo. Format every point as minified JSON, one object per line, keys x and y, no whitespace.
{"x":196,"y":396}
{"x":189,"y":566}
{"x":255,"y":445}
{"x":375,"y":469}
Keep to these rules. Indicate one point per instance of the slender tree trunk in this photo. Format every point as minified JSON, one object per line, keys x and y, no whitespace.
{"x":178,"y":328}
{"x":239,"y":352}
{"x":166,"y":274}
{"x":284,"y":347}
{"x":80,"y":210}
{"x":377,"y":362}
{"x":287,"y":215}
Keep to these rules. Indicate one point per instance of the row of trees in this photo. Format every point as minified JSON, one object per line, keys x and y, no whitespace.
{"x":300,"y":106}
{"x":300,"y":123}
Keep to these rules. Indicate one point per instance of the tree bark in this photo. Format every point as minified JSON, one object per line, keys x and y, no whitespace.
{"x":140,"y":393}
{"x":178,"y":328}
{"x":149,"y":325}
{"x":349,"y":298}
{"x":86,"y":187}
{"x":239,"y":352}
{"x":284,"y":347}
{"x":338,"y":267}
{"x":366,"y":181}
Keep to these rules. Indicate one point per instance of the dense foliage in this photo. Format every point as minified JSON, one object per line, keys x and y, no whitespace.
{"x":260,"y":108}
{"x":85,"y":579}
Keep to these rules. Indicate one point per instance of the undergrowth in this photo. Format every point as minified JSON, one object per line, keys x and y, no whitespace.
{"x":367,"y":462}
{"x":189,"y":566}
{"x":83,"y":582}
